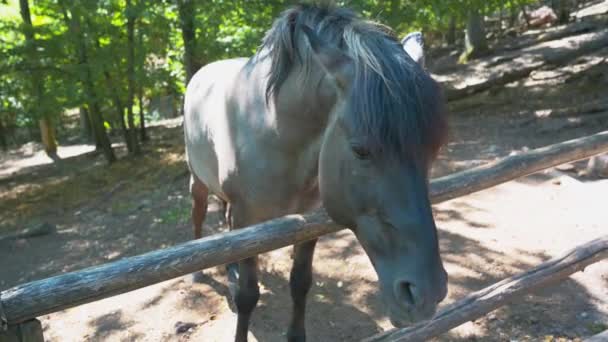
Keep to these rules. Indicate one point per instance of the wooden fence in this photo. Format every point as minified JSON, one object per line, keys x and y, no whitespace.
{"x":20,"y":305}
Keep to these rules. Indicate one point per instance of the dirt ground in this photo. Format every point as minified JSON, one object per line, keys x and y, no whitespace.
{"x":137,"y":205}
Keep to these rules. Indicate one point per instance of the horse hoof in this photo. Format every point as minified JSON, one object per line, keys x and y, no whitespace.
{"x":198,"y":277}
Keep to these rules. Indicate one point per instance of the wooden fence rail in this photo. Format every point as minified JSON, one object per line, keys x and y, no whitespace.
{"x":30,"y":300}
{"x":601,"y":337}
{"x":496,"y":295}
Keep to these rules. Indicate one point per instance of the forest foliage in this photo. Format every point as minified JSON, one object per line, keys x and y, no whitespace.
{"x":106,"y":59}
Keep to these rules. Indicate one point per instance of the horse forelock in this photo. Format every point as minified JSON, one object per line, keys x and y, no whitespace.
{"x":394,"y":104}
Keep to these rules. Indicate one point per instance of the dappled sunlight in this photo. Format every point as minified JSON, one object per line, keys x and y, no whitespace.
{"x":32,"y":155}
{"x":50,"y":191}
{"x":481,"y":240}
{"x":105,"y":213}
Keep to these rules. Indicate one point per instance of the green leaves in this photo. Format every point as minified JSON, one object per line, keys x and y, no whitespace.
{"x":222,"y":29}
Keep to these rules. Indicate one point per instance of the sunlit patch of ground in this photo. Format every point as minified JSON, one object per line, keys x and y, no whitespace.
{"x":31,"y":155}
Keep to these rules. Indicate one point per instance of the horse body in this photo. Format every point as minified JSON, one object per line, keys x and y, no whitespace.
{"x":295,"y":126}
{"x":261,"y":159}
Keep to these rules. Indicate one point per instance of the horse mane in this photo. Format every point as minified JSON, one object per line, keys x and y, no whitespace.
{"x":394,"y":104}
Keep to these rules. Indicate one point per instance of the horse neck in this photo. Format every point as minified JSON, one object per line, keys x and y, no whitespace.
{"x":303,"y":107}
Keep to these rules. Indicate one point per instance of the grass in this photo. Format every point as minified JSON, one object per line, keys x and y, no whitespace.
{"x":178,"y":214}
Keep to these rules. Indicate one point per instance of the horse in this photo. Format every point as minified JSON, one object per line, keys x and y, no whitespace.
{"x":330,"y":111}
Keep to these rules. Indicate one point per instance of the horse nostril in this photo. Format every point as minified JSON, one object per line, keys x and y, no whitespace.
{"x":404,"y":293}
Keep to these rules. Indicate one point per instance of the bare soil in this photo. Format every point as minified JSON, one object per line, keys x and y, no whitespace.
{"x":137,"y":205}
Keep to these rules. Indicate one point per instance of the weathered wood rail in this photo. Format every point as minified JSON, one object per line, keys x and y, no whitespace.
{"x":496,"y":295}
{"x":28,"y":301}
{"x":601,"y":337}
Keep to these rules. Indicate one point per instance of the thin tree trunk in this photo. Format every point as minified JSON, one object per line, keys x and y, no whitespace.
{"x":142,"y":120}
{"x":85,"y":125}
{"x":118,"y":106}
{"x":102,"y":141}
{"x":525,"y":14}
{"x":563,"y":13}
{"x":476,"y":44}
{"x":48,"y":137}
{"x":3,"y":133}
{"x":501,"y":17}
{"x":451,"y":36}
{"x":512,"y":15}
{"x":131,"y":76}
{"x":140,"y":84}
{"x":394,"y":16}
{"x":45,"y":122}
{"x":186,"y":10}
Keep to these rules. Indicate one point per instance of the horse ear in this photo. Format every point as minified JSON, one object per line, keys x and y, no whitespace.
{"x":413,"y":44}
{"x":335,"y":62}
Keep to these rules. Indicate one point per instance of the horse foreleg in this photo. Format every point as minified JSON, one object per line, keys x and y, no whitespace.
{"x":242,"y":277}
{"x":300,"y":281}
{"x":199,"y":193}
{"x":247,"y":295}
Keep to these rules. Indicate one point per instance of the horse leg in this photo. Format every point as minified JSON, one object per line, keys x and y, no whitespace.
{"x":242,"y":279}
{"x":247,"y":295}
{"x":300,"y":281}
{"x":199,"y":193}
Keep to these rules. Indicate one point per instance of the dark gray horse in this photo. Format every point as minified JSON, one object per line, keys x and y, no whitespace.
{"x":331,"y":111}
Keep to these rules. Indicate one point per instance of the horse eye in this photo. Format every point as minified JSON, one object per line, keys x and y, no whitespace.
{"x":361,"y":152}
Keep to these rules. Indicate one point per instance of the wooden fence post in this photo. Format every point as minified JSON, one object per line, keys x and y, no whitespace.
{"x":28,"y":331}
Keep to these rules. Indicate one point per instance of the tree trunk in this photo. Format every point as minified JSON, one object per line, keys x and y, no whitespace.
{"x":48,"y":137}
{"x":394,"y":17}
{"x":102,"y":142}
{"x":525,"y":14}
{"x":86,"y":131}
{"x":476,"y":44}
{"x":142,"y":120}
{"x":3,"y":134}
{"x":451,"y":36}
{"x":141,"y":60}
{"x":512,"y":15}
{"x":501,"y":18}
{"x":131,"y":77}
{"x":562,"y":9}
{"x":45,"y":122}
{"x":118,"y":106}
{"x":186,"y":10}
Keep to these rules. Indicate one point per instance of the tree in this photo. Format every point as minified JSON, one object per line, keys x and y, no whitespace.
{"x":187,"y":12}
{"x":476,"y":44}
{"x":562,"y":8}
{"x":45,"y":119}
{"x":451,"y":34}
{"x":132,"y":131}
{"x":73,"y":19}
{"x":141,"y":61}
{"x":111,"y":57}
